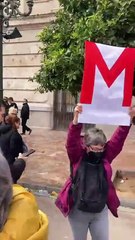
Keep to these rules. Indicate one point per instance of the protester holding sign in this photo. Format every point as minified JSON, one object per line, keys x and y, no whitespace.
{"x":89,"y":192}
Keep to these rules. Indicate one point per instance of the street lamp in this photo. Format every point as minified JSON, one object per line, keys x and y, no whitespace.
{"x":8,"y":9}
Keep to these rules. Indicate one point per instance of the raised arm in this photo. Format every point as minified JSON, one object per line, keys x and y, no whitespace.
{"x":115,"y":144}
{"x":74,"y":144}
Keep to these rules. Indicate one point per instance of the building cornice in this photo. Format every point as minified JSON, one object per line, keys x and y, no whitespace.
{"x":32,"y":22}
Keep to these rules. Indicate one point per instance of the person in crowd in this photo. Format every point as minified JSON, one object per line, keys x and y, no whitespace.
{"x":25,"y":112}
{"x":2,"y":113}
{"x":6,"y":105}
{"x":12,"y":111}
{"x":89,"y":192}
{"x":12,"y":144}
{"x":20,"y":218}
{"x":12,"y":103}
{"x":4,"y":128}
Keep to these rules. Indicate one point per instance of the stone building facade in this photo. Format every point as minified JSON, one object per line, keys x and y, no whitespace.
{"x":22,"y":59}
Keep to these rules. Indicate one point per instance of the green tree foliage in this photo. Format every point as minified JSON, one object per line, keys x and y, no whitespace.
{"x":103,"y":21}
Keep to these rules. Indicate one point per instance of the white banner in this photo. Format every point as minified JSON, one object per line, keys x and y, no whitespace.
{"x":107,"y":84}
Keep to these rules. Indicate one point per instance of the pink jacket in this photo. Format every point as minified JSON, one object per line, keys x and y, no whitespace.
{"x":75,"y":151}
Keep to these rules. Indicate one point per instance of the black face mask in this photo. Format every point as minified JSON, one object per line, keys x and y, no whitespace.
{"x":95,"y":157}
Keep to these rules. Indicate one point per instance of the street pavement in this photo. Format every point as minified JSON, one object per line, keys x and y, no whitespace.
{"x":122,"y":228}
{"x":49,"y":165}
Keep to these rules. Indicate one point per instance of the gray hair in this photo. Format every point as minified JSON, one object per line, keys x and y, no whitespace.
{"x":95,"y":136}
{"x":5,"y":190}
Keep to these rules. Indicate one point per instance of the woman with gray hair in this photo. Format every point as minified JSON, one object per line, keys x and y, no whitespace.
{"x":89,"y":192}
{"x":20,"y":218}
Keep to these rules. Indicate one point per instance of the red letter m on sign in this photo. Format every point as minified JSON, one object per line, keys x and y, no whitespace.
{"x":94,"y":58}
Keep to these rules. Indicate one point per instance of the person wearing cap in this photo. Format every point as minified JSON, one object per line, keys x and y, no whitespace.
{"x":89,"y":192}
{"x":20,"y":218}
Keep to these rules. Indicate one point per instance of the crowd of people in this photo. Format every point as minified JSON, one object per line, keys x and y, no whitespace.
{"x":20,"y":218}
{"x":11,"y":109}
{"x":11,"y":142}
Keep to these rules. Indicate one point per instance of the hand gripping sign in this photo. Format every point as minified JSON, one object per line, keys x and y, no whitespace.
{"x":107,"y":84}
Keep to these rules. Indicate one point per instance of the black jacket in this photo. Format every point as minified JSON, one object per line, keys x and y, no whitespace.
{"x":11,"y":144}
{"x":4,"y":128}
{"x":25,"y":111}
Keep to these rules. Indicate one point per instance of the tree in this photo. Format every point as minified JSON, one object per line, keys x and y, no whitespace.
{"x":103,"y":21}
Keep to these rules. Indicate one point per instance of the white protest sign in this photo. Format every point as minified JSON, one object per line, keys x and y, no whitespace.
{"x":107,"y":84}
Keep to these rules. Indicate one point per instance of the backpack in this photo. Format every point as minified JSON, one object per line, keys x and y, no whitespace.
{"x":89,"y":187}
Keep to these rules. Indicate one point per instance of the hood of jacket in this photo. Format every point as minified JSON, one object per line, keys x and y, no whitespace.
{"x":25,"y":220}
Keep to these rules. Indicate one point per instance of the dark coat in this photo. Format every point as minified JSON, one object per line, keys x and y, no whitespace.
{"x":11,"y":144}
{"x":4,"y":128}
{"x":25,"y":111}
